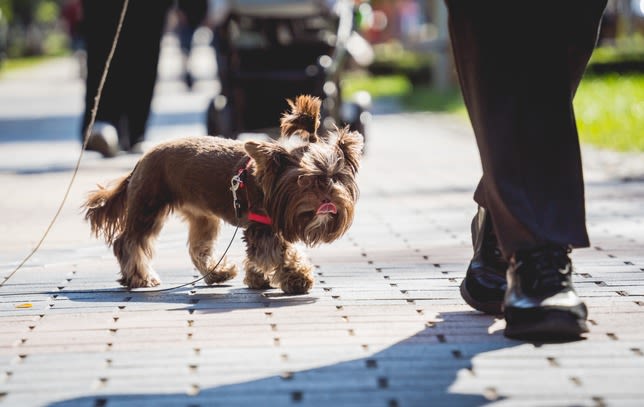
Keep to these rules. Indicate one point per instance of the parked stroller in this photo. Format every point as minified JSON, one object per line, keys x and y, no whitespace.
{"x":270,"y":51}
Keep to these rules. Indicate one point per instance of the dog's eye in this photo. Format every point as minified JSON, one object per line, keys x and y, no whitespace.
{"x":304,"y":181}
{"x":323,"y":180}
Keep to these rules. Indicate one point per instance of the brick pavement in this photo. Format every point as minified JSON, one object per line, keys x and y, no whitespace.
{"x":383,"y":326}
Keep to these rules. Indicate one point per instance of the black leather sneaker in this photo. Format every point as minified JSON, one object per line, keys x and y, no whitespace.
{"x":540,"y":302}
{"x":484,"y":285}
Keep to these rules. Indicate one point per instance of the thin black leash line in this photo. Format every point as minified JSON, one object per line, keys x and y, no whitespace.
{"x":88,"y":131}
{"x":126,"y":291}
{"x":232,"y":239}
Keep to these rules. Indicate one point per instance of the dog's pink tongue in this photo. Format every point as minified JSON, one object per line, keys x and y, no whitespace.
{"x":327,"y":207}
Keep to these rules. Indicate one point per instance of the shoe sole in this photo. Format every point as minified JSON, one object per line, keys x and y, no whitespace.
{"x":548,"y":325}
{"x":488,"y":307}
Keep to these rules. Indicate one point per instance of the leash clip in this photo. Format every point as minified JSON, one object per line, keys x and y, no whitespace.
{"x":235,"y":184}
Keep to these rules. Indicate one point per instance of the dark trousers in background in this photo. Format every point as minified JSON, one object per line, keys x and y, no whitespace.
{"x":519,"y":67}
{"x":127,"y":94}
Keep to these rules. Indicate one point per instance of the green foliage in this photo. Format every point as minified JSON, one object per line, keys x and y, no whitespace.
{"x":377,"y":86}
{"x":393,"y":59}
{"x":56,"y":44}
{"x":47,"y":12}
{"x":6,"y":11}
{"x":435,"y":100}
{"x":610,"y":111}
{"x":395,"y":54}
{"x":31,"y":27}
{"x":626,"y":49}
{"x":14,"y":64}
{"x":625,"y":57}
{"x":412,"y":98}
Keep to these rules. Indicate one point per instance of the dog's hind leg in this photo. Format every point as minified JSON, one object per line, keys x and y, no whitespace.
{"x":201,"y":238}
{"x":134,"y":249}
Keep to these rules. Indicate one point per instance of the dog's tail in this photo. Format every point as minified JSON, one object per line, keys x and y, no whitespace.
{"x":105,"y":209}
{"x":303,"y":119}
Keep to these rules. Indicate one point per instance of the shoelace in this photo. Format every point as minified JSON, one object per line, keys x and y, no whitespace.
{"x":545,"y":271}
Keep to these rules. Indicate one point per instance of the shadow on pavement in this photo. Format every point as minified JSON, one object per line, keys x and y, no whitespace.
{"x":67,"y":128}
{"x":416,"y":371}
{"x":32,"y":129}
{"x":51,"y":144}
{"x":209,"y":299}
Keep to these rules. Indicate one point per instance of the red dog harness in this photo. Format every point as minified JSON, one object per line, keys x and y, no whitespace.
{"x":238,"y":182}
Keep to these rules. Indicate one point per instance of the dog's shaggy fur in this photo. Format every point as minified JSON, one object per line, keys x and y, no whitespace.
{"x":305,"y":184}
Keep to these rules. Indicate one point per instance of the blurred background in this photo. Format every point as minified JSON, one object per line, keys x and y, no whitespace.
{"x":410,"y":68}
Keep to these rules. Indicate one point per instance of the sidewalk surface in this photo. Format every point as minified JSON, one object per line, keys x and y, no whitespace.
{"x":383,"y":326}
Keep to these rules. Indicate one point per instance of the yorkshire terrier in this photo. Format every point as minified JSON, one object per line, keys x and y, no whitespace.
{"x":299,"y":188}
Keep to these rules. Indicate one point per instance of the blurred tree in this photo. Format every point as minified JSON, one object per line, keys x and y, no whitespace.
{"x":47,"y":12}
{"x":23,"y":11}
{"x":31,"y":23}
{"x":6,"y":10}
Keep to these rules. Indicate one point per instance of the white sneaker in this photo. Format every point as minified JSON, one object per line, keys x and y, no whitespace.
{"x":140,"y":148}
{"x":105,"y":139}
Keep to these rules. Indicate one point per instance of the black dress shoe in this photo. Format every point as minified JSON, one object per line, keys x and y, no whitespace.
{"x":540,"y":302}
{"x":484,"y":285}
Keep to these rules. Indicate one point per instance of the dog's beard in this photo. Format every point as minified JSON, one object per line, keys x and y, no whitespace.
{"x":304,"y":217}
{"x":324,"y":227}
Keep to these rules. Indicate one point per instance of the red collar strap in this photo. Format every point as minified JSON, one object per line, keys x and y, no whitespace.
{"x":239,"y":182}
{"x":256,"y":217}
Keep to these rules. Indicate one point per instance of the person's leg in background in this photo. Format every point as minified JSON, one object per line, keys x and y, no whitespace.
{"x":192,"y":14}
{"x":100,"y":19}
{"x":519,"y":69}
{"x":143,"y":29}
{"x":126,"y":98}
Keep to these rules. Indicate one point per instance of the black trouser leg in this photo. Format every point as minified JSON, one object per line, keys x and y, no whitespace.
{"x":101,"y":19}
{"x":519,"y":68}
{"x":127,"y":94}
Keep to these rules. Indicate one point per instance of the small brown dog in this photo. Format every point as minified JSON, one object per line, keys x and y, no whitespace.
{"x":301,"y":188}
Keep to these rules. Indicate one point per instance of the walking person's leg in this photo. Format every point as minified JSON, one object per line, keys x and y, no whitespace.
{"x":519,"y":69}
{"x":125,"y":103}
{"x":101,"y":20}
{"x":192,"y":14}
{"x":143,"y":30}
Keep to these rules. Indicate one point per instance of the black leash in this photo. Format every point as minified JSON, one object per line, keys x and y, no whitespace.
{"x":122,"y":291}
{"x":232,"y":239}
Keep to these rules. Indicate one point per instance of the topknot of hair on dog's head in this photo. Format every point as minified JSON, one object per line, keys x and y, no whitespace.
{"x":306,"y":105}
{"x":303,"y":118}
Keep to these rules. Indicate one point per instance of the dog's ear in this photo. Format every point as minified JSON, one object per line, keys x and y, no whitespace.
{"x":351,"y":143}
{"x":268,"y":156}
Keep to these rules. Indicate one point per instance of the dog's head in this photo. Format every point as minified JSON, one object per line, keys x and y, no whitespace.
{"x":310,"y":189}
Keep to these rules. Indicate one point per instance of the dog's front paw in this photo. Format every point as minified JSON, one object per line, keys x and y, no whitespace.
{"x":255,"y":280}
{"x":136,"y":281}
{"x":293,"y":283}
